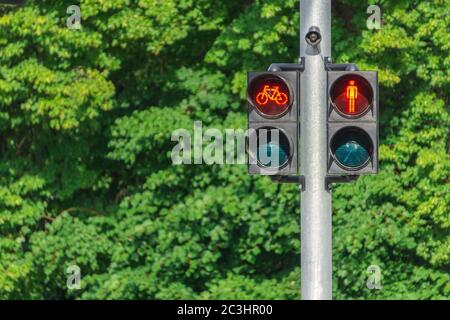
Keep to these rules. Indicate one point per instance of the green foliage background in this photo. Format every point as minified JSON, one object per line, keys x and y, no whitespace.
{"x":85,"y":174}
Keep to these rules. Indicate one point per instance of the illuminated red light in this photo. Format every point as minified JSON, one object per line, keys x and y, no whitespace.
{"x":351,"y":95}
{"x":270,"y":96}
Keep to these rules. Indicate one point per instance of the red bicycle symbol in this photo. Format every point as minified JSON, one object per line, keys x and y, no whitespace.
{"x":271,"y":94}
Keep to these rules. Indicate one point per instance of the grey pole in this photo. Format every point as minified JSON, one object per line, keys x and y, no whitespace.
{"x":316,"y":260}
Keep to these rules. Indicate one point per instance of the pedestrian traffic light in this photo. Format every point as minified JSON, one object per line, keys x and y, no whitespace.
{"x":273,"y":122}
{"x":352,"y":122}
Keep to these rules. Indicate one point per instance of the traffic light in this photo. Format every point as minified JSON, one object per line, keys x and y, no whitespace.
{"x":352,"y":122}
{"x":273,"y":122}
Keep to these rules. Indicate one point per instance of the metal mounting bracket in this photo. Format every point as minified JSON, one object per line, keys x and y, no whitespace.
{"x":290,"y":179}
{"x":274,"y":67}
{"x":288,"y":66}
{"x":329,"y":180}
{"x":13,"y":2}
{"x":330,"y":66}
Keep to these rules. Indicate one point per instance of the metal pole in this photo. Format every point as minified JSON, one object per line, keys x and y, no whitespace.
{"x":316,"y":259}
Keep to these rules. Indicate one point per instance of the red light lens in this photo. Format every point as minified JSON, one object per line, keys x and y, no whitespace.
{"x":270,"y":96}
{"x":351,"y":95}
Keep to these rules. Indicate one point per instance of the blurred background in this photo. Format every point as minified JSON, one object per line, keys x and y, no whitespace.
{"x":86,"y":178}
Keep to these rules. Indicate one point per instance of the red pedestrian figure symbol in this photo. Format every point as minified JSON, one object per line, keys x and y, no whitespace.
{"x":352,"y":95}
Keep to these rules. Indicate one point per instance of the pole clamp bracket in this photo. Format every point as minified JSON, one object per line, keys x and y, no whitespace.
{"x":330,"y":66}
{"x":329,"y":180}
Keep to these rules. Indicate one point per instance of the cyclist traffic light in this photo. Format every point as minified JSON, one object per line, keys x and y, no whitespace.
{"x":352,"y":122}
{"x":273,"y":122}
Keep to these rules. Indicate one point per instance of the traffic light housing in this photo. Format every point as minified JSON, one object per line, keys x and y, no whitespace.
{"x":273,"y":122}
{"x":352,"y":125}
